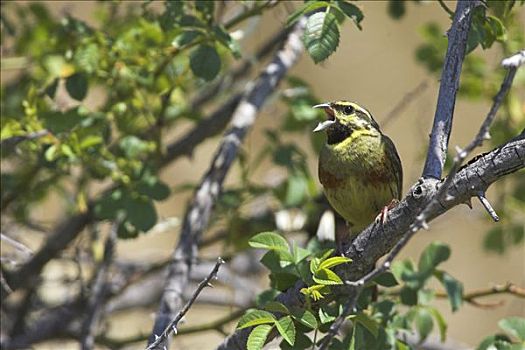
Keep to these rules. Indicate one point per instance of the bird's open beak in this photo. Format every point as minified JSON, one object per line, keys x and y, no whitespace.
{"x":329,"y":113}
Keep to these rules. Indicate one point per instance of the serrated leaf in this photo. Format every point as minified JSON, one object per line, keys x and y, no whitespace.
{"x":334,"y":261}
{"x":304,"y":9}
{"x":321,"y":35}
{"x":258,"y":337}
{"x":515,"y":326}
{"x":453,"y":287}
{"x":205,"y":62}
{"x":305,"y":317}
{"x":270,"y":241}
{"x":326,"y":277}
{"x":424,"y":323}
{"x":286,"y":328}
{"x":77,"y":86}
{"x":255,"y":317}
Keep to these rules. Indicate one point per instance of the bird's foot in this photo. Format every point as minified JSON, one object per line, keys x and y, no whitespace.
{"x":383,"y":214}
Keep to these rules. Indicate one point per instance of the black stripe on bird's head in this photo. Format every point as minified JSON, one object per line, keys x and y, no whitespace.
{"x":343,"y":118}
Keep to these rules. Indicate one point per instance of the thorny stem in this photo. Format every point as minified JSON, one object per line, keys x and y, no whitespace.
{"x":172,"y":326}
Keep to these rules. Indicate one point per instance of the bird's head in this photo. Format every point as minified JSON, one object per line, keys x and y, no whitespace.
{"x":343,"y":118}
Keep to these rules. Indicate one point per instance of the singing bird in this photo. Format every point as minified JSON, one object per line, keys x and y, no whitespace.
{"x":359,"y":167}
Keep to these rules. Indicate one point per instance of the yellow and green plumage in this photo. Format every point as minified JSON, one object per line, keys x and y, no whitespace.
{"x":359,"y":167}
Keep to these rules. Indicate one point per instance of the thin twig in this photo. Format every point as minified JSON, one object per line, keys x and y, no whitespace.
{"x":472,"y":296}
{"x":402,"y":104}
{"x":99,"y":291}
{"x":17,"y":245}
{"x":172,"y":326}
{"x":486,"y":204}
{"x":15,"y":140}
{"x":446,"y":8}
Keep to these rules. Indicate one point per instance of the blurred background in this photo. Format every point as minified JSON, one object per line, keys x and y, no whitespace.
{"x":376,"y":67}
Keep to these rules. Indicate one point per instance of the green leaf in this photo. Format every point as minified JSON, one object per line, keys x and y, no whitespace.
{"x":515,"y":326}
{"x":321,"y":36}
{"x":140,"y":212}
{"x":286,"y":328}
{"x":299,"y":253}
{"x":304,"y":9}
{"x":432,"y":256}
{"x":51,"y":89}
{"x":255,"y":317}
{"x":386,"y":279}
{"x":206,"y":8}
{"x":326,"y":277}
{"x":305,"y":317}
{"x":283,"y":280}
{"x":396,"y":9}
{"x":495,"y":342}
{"x":302,"y":342}
{"x":205,"y":62}
{"x":270,"y":241}
{"x":227,"y":41}
{"x":266,"y":297}
{"x":316,"y":292}
{"x":442,"y":324}
{"x":369,"y":323}
{"x":424,"y":323}
{"x":258,"y":336}
{"x":134,"y":147}
{"x":328,"y":313}
{"x":453,"y":287}
{"x":351,"y":11}
{"x":275,"y":306}
{"x":59,"y":122}
{"x":77,"y":86}
{"x":185,"y":38}
{"x":153,"y":188}
{"x":334,"y":261}
{"x":403,"y":270}
{"x":408,"y":296}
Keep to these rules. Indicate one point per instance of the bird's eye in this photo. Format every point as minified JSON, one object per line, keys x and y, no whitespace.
{"x":348,"y":110}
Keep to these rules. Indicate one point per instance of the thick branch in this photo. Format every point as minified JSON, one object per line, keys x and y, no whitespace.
{"x":457,"y":43}
{"x":199,"y":212}
{"x":379,"y":239}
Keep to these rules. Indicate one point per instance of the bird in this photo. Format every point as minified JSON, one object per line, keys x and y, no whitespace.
{"x":359,"y":167}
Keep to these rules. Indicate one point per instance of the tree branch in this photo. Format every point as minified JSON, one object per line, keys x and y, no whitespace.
{"x":199,"y":212}
{"x":67,"y":230}
{"x":457,"y":43}
{"x":99,"y":291}
{"x":172,"y":326}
